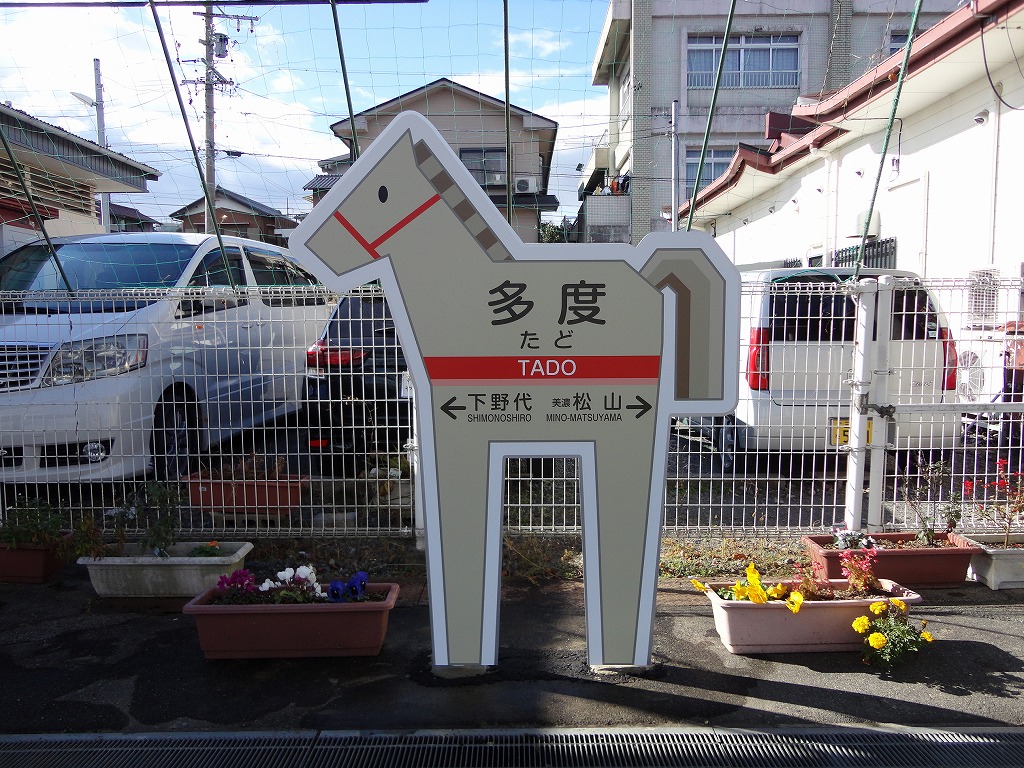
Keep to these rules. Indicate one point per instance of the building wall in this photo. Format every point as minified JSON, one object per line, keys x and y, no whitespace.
{"x":951,"y":199}
{"x":740,"y":112}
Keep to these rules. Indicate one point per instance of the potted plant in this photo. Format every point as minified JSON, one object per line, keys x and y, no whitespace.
{"x":809,"y":613}
{"x":157,"y":565}
{"x":253,"y":489}
{"x":924,"y":557}
{"x":292,"y":616}
{"x":33,"y":542}
{"x":1000,"y":562}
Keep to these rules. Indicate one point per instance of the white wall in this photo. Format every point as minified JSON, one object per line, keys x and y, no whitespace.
{"x":953,"y":200}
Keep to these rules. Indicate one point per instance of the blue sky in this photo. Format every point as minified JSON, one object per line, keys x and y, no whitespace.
{"x":288,"y":85}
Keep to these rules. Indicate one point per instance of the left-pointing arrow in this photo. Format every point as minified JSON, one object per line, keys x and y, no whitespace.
{"x":449,"y":407}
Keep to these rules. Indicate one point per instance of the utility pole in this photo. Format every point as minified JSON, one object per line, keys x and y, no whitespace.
{"x":101,"y":135}
{"x":215,"y":46}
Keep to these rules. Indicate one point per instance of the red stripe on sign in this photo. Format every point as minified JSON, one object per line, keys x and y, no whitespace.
{"x":541,"y":369}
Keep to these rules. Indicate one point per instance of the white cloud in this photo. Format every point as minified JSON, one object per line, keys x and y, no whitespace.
{"x":540,"y":43}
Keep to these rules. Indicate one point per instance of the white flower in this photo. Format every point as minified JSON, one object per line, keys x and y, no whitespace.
{"x":286,"y":574}
{"x":306,"y":573}
{"x":268,"y":585}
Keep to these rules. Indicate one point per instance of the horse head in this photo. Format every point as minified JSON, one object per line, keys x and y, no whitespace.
{"x":399,"y":201}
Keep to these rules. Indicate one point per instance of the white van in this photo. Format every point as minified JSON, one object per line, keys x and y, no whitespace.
{"x":117,"y":358}
{"x":796,"y":354}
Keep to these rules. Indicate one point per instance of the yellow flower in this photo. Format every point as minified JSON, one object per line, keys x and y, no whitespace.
{"x":877,"y":640}
{"x":756,"y":594}
{"x":861,"y":624}
{"x":877,"y":608}
{"x":739,"y":591}
{"x":699,"y":586}
{"x":753,"y":577}
{"x":927,"y":637}
{"x":794,"y":601}
{"x":778,"y":591}
{"x":899,"y":604}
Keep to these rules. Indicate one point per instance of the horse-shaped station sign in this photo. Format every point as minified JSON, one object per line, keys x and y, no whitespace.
{"x":515,"y":350}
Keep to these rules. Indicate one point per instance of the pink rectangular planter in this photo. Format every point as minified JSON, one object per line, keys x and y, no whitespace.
{"x":29,"y":564}
{"x":291,"y":631}
{"x":821,"y":625}
{"x":925,"y":566}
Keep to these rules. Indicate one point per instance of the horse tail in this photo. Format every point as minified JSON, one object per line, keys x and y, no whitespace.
{"x":703,"y":340}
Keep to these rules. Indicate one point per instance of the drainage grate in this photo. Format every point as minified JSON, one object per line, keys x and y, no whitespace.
{"x":587,"y":748}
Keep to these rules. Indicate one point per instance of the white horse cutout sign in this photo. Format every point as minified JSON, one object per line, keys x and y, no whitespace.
{"x":521,"y":350}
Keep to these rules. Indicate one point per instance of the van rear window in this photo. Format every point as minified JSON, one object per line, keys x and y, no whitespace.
{"x":817,"y":314}
{"x":812,"y":317}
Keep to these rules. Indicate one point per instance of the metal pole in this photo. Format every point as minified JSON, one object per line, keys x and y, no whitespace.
{"x":860,"y":389}
{"x":508,"y":124}
{"x":101,"y":139}
{"x":344,"y":78}
{"x":674,"y":136}
{"x":210,"y":178}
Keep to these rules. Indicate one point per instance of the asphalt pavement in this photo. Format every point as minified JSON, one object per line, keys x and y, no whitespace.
{"x":71,"y":662}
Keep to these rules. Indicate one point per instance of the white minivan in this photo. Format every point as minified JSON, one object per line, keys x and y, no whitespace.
{"x":128,"y":353}
{"x":797,"y":332}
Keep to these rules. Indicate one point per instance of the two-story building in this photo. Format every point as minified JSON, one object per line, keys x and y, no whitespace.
{"x":473,"y":123}
{"x":63,"y":174}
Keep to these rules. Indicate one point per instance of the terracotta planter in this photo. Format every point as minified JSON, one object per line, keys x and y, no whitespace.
{"x":257,"y":501}
{"x":821,"y":625}
{"x":136,"y":574}
{"x":29,"y":564}
{"x":994,"y":566}
{"x":290,"y":631}
{"x":927,"y":566}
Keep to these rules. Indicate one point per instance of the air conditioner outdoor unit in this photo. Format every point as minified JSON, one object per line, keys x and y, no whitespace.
{"x":526,"y":184}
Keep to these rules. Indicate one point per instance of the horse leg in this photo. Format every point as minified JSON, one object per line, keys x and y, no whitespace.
{"x":468,"y":546}
{"x":628,"y":515}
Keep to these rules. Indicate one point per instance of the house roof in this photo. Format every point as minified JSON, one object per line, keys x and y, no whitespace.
{"x":342,"y":130}
{"x":322,"y":181}
{"x":256,"y":208}
{"x":130,"y":214}
{"x":958,"y":50}
{"x":64,"y":154}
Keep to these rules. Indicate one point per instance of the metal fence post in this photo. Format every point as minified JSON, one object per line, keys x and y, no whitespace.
{"x":879,"y":401}
{"x":860,"y":386}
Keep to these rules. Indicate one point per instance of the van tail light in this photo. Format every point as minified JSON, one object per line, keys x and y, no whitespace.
{"x":948,"y":359}
{"x":322,"y":356}
{"x":757,"y":359}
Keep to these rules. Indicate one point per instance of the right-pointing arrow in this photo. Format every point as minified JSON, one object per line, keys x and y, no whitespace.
{"x":642,"y":407}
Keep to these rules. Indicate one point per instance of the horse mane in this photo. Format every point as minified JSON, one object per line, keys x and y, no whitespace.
{"x":460,"y":205}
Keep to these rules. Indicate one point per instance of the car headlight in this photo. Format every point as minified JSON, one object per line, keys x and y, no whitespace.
{"x":79,"y":361}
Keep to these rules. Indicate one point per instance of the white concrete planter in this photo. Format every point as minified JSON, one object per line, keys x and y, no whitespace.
{"x":136,"y":574}
{"x":996,"y":567}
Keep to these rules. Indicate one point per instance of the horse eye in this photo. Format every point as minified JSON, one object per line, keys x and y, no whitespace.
{"x":382,"y":194}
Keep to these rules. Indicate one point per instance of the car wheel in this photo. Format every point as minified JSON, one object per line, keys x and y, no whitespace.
{"x":175,"y":438}
{"x":724,"y":442}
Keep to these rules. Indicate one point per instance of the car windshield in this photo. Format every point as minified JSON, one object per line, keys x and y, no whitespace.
{"x":94,"y":265}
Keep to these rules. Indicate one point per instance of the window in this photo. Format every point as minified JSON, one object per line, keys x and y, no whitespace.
{"x":716,"y":162}
{"x":896,"y":41}
{"x":751,"y":61}
{"x":488,"y":166}
{"x":212,"y":272}
{"x":272,"y":270}
{"x":625,"y":98}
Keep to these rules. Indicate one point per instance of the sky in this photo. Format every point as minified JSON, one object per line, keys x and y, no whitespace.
{"x":287,"y":82}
